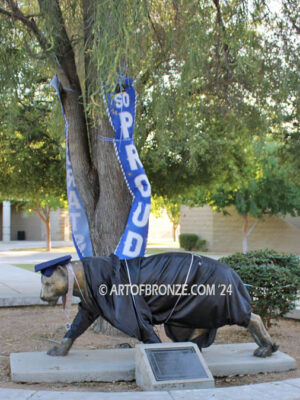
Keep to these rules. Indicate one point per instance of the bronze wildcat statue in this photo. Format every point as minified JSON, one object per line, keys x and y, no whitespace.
{"x":188,"y":314}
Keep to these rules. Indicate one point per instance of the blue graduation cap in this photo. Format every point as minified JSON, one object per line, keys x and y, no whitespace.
{"x":47,"y":268}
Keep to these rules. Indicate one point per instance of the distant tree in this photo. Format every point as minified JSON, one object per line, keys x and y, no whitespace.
{"x":265,"y":188}
{"x":32,"y":161}
{"x":172,"y":208}
{"x":32,"y":151}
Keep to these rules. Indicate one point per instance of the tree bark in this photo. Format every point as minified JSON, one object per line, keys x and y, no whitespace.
{"x":174,"y":231}
{"x":44,"y":214}
{"x":48,"y":234}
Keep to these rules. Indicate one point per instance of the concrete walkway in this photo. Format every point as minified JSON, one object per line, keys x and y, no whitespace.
{"x":18,"y":286}
{"x":25,"y":252}
{"x":284,"y":390}
{"x":27,"y":244}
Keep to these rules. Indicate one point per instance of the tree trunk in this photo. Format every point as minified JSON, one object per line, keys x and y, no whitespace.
{"x":44,"y":214}
{"x":247,"y":232}
{"x":245,"y":236}
{"x":174,"y":231}
{"x":48,"y":234}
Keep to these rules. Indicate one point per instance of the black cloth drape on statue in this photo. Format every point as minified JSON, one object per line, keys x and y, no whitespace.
{"x":225,"y":300}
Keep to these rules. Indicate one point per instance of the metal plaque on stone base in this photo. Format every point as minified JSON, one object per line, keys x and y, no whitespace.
{"x":171,"y":366}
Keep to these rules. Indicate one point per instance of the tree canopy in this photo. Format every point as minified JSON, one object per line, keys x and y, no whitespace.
{"x":211,"y":76}
{"x":32,"y":160}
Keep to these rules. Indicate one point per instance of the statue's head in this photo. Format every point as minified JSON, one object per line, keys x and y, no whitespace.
{"x":54,"y":279}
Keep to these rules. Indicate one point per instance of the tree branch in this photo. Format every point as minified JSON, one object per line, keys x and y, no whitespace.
{"x":62,"y":47}
{"x":38,"y":211}
{"x":253,"y":227}
{"x":220,"y":22}
{"x":28,"y":21}
{"x":86,"y":177}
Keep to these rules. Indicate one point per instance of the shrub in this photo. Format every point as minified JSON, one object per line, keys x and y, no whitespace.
{"x":188,"y":240}
{"x":201,"y":245}
{"x":191,"y":241}
{"x":273,"y":280}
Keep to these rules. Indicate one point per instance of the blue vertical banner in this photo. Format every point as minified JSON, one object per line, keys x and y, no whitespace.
{"x":121,"y":110}
{"x":78,"y":218}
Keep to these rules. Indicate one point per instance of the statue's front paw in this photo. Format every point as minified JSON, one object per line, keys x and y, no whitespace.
{"x":265,"y":351}
{"x":124,"y":346}
{"x":62,"y":349}
{"x":58,"y":351}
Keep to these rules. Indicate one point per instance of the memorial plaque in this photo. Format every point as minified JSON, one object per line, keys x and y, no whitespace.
{"x":168,"y":366}
{"x":175,"y":364}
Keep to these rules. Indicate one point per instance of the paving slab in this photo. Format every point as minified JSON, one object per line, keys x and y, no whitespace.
{"x":119,"y":364}
{"x":295,"y":382}
{"x":278,"y":390}
{"x":238,"y":359}
{"x":43,"y":395}
{"x":262,"y":391}
{"x":246,"y":392}
{"x":16,"y":394}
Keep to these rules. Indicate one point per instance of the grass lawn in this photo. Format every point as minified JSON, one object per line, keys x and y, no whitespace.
{"x":67,"y":249}
{"x":29,"y":267}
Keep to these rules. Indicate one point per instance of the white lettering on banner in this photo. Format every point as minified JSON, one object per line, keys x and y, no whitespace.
{"x":122,"y":100}
{"x":133,"y":157}
{"x":126,"y":122}
{"x":133,"y":244}
{"x":144,"y":188}
{"x":136,"y":218}
{"x":70,"y":178}
{"x":73,"y":200}
{"x":80,"y":241}
{"x":73,"y":219}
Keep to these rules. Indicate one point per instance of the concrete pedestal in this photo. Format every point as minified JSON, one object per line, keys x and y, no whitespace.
{"x":119,"y":364}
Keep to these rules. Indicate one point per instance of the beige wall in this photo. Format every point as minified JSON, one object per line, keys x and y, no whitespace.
{"x":22,"y":221}
{"x":35,"y":229}
{"x":225,"y":233}
{"x":199,"y":221}
{"x":159,"y":228}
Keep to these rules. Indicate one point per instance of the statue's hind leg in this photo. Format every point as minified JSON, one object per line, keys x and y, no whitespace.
{"x":261,"y":337}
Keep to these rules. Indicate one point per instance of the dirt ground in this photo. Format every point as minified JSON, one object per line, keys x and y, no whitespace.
{"x":38,"y":328}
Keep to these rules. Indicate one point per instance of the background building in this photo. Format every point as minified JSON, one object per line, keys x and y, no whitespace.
{"x":17,"y":224}
{"x":225,"y":233}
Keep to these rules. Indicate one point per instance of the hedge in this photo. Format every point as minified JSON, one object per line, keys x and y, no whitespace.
{"x":272,"y":280}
